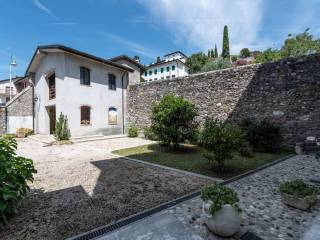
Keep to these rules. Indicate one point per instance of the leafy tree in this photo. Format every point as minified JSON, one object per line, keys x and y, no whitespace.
{"x":225,"y":44}
{"x":221,"y":140}
{"x":267,"y":56}
{"x":62,"y":131}
{"x":299,"y":45}
{"x":136,"y":58}
{"x":173,"y":120}
{"x":15,"y":172}
{"x":196,"y":61}
{"x":234,"y":58}
{"x":215,"y":51}
{"x":216,"y":64}
{"x":244,"y":53}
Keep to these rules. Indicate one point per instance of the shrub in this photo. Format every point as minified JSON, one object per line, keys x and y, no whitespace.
{"x":220,"y":195}
{"x":133,"y":132}
{"x":264,"y":136}
{"x":245,"y":150}
{"x":15,"y":171}
{"x":173,"y":120}
{"x":9,"y":135}
{"x":216,"y":65}
{"x":62,"y":131}
{"x":24,"y":132}
{"x":221,"y":140}
{"x":298,"y":188}
{"x":149,"y":134}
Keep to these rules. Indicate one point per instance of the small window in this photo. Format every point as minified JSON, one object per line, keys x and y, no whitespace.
{"x":156,"y":79}
{"x":162,"y":77}
{"x":85,"y":115}
{"x":173,"y":76}
{"x":150,"y":73}
{"x":168,"y":77}
{"x":173,"y":68}
{"x":161,"y":70}
{"x":155,"y":71}
{"x":168,"y":69}
{"x":84,"y":76}
{"x":112,"y":116}
{"x":146,"y":73}
{"x":112,"y":82}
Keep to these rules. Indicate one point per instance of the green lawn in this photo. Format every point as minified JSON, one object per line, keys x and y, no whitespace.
{"x":190,"y":158}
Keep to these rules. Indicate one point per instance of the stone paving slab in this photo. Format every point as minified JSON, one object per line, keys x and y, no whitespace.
{"x":163,"y":226}
{"x":313,"y":233}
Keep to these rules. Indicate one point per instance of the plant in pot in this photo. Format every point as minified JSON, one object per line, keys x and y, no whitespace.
{"x":222,"y":210}
{"x":298,"y":194}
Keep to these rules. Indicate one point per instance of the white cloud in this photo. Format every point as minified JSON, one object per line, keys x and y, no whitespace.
{"x":130,"y":45}
{"x":42,"y":7}
{"x":200,"y":23}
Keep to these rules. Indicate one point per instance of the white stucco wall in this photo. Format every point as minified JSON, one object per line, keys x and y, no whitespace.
{"x":71,"y":95}
{"x":15,"y":122}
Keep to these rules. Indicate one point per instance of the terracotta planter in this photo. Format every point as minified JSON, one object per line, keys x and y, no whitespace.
{"x":299,"y":203}
{"x":225,"y":223}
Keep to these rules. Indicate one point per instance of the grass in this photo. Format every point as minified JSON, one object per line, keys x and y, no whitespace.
{"x":190,"y":158}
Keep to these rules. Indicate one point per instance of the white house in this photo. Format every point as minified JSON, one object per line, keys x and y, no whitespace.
{"x":16,"y":86}
{"x":89,"y":90}
{"x":172,"y":66}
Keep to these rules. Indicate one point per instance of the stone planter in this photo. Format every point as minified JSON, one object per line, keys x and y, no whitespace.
{"x":21,"y":135}
{"x":299,"y":203}
{"x":299,"y":148}
{"x":225,"y":223}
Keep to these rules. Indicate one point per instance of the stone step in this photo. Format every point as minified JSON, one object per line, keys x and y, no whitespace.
{"x":95,"y":138}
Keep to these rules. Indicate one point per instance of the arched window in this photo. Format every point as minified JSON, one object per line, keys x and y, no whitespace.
{"x":85,"y":115}
{"x":112,"y":116}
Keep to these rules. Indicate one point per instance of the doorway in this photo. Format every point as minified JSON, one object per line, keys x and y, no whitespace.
{"x":52,"y":118}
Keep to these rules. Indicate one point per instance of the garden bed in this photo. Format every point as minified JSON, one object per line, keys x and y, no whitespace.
{"x":190,"y":158}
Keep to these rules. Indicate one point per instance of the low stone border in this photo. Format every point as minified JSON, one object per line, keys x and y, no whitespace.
{"x":154,"y":165}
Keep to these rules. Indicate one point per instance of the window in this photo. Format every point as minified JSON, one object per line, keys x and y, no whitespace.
{"x":112,"y":116}
{"x":112,"y":82}
{"x":146,"y":73}
{"x":168,"y":69}
{"x":150,"y":73}
{"x":155,"y":71}
{"x":162,"y":77}
{"x":168,"y":77}
{"x":84,"y":76}
{"x":173,"y":67}
{"x":85,"y":115}
{"x":173,"y":76}
{"x":161,"y":70}
{"x":156,"y":79}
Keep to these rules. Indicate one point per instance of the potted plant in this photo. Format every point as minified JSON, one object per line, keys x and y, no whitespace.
{"x":222,"y":210}
{"x":298,"y":194}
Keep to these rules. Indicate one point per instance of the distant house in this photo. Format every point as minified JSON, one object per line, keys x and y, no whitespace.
{"x":17,"y":85}
{"x":172,"y":66}
{"x":89,"y":90}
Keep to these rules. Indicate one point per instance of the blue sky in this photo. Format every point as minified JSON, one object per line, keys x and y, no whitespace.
{"x":148,"y":28}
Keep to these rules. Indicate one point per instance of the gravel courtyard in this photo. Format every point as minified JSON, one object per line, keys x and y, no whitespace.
{"x":82,"y":186}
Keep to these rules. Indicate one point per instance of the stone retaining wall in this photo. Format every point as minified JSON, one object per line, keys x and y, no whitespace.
{"x":286,"y":91}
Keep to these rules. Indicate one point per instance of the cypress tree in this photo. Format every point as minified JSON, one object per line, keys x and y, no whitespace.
{"x":212,"y":54}
{"x":215,"y":51}
{"x":225,"y":44}
{"x":209,"y":53}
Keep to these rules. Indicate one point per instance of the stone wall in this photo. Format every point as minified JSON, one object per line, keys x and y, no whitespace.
{"x":20,"y":111}
{"x":2,"y":120}
{"x":286,"y":91}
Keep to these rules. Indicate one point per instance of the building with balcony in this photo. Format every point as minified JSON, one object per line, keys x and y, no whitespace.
{"x":172,"y":66}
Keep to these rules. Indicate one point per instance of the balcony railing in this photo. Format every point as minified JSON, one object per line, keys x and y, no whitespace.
{"x":52,"y":92}
{"x":7,"y":92}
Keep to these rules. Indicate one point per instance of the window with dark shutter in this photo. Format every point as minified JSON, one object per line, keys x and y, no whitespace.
{"x":85,"y":76}
{"x":85,"y":115}
{"x":112,"y":82}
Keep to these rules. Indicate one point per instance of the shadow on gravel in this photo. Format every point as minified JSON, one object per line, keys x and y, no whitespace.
{"x":122,"y":189}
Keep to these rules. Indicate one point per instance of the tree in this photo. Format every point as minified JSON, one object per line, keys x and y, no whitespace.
{"x":136,"y":58}
{"x":196,"y":61}
{"x":158,"y":59}
{"x":173,"y":120}
{"x":212,"y":53}
{"x":225,"y":44}
{"x":216,"y":64}
{"x":215,"y":51}
{"x":62,"y":131}
{"x":267,"y":56}
{"x":221,"y":140}
{"x":244,"y":53}
{"x":209,"y":53}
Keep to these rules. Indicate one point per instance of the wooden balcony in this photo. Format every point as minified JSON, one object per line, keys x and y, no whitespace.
{"x":52,"y":92}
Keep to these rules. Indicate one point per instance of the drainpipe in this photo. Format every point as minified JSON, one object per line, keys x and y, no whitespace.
{"x":122,"y":92}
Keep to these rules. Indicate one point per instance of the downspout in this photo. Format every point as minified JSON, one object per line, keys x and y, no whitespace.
{"x":122,"y":110}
